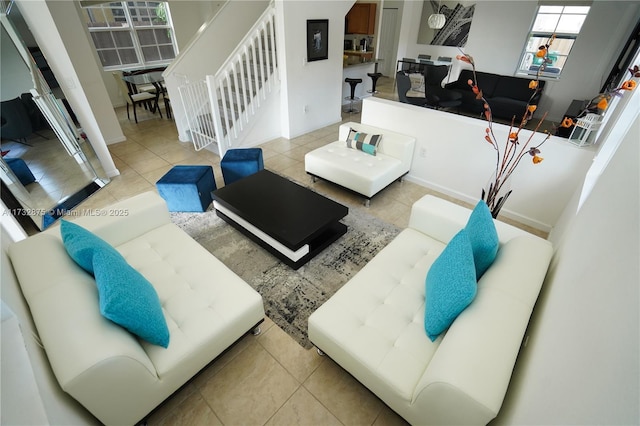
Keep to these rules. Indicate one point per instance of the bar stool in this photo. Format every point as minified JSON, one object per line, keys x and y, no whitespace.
{"x":374,"y":79}
{"x":353,"y":82}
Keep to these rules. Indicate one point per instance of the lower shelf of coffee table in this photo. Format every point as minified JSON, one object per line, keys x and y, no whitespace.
{"x":316,"y":245}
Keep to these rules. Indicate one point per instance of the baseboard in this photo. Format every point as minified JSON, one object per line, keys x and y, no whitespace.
{"x":471,"y":201}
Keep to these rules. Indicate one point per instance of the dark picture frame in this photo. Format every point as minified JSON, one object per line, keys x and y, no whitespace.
{"x":317,"y":39}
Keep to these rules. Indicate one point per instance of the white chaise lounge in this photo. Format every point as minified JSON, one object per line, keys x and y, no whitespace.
{"x":358,"y":171}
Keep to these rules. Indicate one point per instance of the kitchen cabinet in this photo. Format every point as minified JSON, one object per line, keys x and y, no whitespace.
{"x":361,"y":19}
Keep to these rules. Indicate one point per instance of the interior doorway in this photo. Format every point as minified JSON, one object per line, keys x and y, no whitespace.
{"x":389,"y":37}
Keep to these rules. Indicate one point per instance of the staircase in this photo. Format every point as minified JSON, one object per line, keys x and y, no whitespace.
{"x":221,"y":108}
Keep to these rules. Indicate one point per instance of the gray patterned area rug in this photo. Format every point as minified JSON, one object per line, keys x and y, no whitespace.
{"x":291,"y":296}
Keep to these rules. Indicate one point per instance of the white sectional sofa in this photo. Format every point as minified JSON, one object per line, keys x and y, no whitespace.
{"x":358,"y":171}
{"x":374,"y":325}
{"x":117,"y":377}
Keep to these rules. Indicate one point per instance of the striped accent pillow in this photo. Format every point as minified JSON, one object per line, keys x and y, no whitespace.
{"x":363,"y":141}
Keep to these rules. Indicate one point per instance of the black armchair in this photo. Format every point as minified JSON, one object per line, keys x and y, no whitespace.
{"x":15,"y":120}
{"x":438,"y":97}
{"x":404,"y":84}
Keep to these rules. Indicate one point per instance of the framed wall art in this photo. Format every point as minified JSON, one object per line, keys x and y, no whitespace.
{"x":317,"y":39}
{"x":457,"y":24}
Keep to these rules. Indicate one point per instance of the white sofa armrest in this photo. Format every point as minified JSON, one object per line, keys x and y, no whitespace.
{"x":46,"y":273}
{"x":469,"y":374}
{"x":441,"y":219}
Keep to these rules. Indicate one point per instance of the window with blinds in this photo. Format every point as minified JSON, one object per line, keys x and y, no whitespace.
{"x":131,"y":34}
{"x":565,"y":22}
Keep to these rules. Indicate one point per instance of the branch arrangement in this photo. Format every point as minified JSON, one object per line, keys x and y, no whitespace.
{"x":510,"y":153}
{"x":599,"y":103}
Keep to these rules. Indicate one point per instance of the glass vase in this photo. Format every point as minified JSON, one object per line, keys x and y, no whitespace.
{"x":495,"y":194}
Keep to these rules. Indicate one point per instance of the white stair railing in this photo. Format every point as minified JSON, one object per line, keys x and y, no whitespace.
{"x":197,"y":107}
{"x":220,"y":107}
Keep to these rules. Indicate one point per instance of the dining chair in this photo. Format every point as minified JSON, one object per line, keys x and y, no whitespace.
{"x":138,"y":88}
{"x":151,"y":88}
{"x":424,"y":56}
{"x":404,"y":84}
{"x":167,"y":104}
{"x":426,"y":59}
{"x":444,"y":58}
{"x":409,"y":64}
{"x":437,"y":96}
{"x":136,"y":99}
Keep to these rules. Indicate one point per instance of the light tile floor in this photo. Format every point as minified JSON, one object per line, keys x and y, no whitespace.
{"x":268,"y":379}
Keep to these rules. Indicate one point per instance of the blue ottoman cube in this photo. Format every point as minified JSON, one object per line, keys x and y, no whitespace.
{"x":239,"y":163}
{"x":21,"y":170}
{"x":187,"y":188}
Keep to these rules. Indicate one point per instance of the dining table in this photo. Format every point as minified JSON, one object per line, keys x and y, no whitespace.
{"x":155,"y":78}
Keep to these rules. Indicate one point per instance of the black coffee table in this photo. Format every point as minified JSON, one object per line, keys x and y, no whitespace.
{"x":290,"y":221}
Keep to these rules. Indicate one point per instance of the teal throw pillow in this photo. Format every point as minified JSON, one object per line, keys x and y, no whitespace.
{"x":128,"y":299}
{"x":363,"y":141}
{"x":450,"y":285}
{"x":483,"y":236}
{"x":81,"y":244}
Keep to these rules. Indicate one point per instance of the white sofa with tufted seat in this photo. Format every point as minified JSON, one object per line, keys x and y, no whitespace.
{"x":374,"y":325}
{"x":118,"y":377}
{"x":358,"y":171}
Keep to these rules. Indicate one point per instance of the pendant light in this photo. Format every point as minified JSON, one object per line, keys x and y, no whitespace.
{"x":436,"y":20}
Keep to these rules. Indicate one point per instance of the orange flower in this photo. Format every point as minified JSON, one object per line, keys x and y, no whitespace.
{"x":533,"y":84}
{"x":629,"y":85}
{"x":488,"y":139}
{"x":532,"y":108}
{"x":603,"y":104}
{"x":537,"y":159}
{"x":513,"y":136}
{"x":567,"y":122}
{"x":463,"y":58}
{"x":541,"y":53}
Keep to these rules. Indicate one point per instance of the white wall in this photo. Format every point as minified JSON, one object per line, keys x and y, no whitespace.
{"x":582,"y":362}
{"x":16,"y":77}
{"x":264,"y":126}
{"x":496,"y":43}
{"x":316,"y":85}
{"x":188,"y":16}
{"x":451,"y":156}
